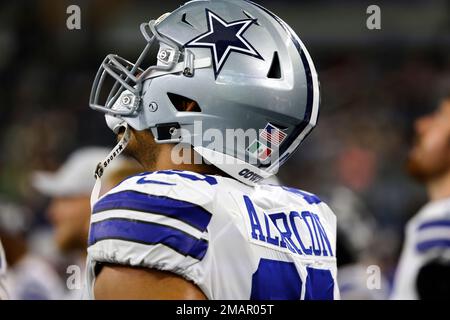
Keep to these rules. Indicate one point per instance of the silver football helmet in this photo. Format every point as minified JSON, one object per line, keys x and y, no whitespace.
{"x":244,"y":67}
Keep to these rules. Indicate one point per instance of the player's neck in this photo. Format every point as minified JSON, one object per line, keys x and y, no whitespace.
{"x":165,"y":161}
{"x":439,"y":188}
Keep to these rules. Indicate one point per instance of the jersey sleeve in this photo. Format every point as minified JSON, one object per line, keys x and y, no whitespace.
{"x":157,"y":220}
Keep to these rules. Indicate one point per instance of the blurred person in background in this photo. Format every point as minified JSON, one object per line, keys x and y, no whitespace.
{"x":29,"y":276}
{"x":358,"y":260}
{"x":69,"y":210}
{"x":357,"y":228}
{"x":424,"y":268}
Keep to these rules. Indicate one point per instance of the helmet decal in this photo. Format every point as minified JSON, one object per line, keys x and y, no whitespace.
{"x":257,"y":119}
{"x":223,"y":38}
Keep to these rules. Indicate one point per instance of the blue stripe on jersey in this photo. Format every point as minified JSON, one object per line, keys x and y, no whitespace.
{"x":207,"y":178}
{"x":184,"y":174}
{"x":432,"y":244}
{"x":435,"y":223}
{"x":184,"y":211}
{"x":148,"y":233}
{"x":146,"y":181}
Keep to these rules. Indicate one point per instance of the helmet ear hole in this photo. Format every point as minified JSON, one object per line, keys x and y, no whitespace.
{"x":275,"y":68}
{"x":183,"y":104}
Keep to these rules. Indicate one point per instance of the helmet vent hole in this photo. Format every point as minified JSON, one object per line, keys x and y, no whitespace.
{"x":183,"y":19}
{"x":275,"y":68}
{"x":183,"y":104}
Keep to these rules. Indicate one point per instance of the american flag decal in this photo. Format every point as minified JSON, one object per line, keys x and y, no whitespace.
{"x":273,"y":135}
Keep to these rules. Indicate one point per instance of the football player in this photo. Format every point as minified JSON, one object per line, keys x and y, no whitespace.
{"x":424,"y":268}
{"x":206,"y":229}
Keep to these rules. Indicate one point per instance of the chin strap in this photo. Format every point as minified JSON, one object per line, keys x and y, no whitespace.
{"x":101,"y":166}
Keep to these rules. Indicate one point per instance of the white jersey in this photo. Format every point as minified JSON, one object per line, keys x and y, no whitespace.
{"x":427,"y":237}
{"x":32,"y":278}
{"x":233,"y":241}
{"x":3,"y":293}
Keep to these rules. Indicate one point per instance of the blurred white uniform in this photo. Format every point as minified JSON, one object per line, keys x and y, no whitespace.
{"x":232,"y":240}
{"x":427,"y":237}
{"x":3,"y":293}
{"x":33,"y":279}
{"x":353,"y":283}
{"x":29,"y":277}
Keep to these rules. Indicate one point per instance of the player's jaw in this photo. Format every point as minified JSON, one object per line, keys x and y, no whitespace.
{"x":429,"y":157}
{"x":142,"y":147}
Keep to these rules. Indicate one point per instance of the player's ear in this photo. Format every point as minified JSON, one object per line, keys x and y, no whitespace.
{"x":182,"y":103}
{"x":191,"y":106}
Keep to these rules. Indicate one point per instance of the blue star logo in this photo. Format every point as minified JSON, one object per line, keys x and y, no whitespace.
{"x":222,"y":38}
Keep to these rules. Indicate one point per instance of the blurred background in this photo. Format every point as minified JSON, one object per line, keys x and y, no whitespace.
{"x":374,"y":84}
